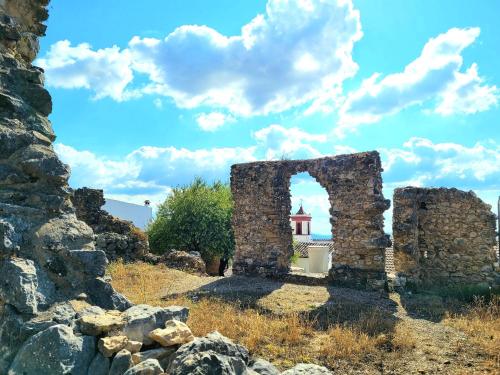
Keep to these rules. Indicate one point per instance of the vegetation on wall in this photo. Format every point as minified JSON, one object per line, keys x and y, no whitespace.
{"x":195,"y":217}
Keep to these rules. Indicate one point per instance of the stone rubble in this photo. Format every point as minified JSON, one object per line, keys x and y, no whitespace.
{"x":174,"y":333}
{"x":119,"y":239}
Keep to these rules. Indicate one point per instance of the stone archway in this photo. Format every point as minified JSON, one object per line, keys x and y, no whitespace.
{"x":261,"y":191}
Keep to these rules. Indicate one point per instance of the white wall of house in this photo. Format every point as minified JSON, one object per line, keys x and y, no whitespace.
{"x":137,"y":214}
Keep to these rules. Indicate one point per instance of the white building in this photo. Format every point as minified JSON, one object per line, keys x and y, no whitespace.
{"x":301,"y":225}
{"x":314,"y":256}
{"x":141,"y":216}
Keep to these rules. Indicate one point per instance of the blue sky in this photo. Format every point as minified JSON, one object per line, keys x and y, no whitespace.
{"x":149,"y":94}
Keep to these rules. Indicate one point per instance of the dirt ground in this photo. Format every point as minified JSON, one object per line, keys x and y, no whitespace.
{"x":434,"y":347}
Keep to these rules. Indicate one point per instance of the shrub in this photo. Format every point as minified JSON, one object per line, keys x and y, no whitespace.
{"x":195,"y":217}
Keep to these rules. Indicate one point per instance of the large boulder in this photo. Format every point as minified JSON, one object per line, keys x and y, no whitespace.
{"x":140,"y":320}
{"x":19,"y":284}
{"x":55,"y":350}
{"x":212,"y":354}
{"x":208,"y":363}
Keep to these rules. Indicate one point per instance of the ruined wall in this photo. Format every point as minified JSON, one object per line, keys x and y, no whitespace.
{"x":119,"y":239}
{"x":261,"y":192}
{"x":47,"y":256}
{"x":443,"y":236}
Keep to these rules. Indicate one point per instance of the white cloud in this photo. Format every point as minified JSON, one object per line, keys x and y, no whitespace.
{"x":88,"y":168}
{"x":278,"y":142}
{"x":211,"y":122}
{"x":434,"y":76}
{"x":149,"y":171}
{"x":422,"y":162}
{"x":105,"y":71}
{"x":466,"y":94}
{"x":292,"y":54}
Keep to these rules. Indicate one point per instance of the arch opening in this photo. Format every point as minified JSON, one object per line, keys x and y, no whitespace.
{"x":311,"y":230}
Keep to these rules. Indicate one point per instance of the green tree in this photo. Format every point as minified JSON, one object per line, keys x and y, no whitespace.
{"x":195,"y":217}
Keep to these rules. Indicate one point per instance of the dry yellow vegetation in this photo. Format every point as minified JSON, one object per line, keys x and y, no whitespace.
{"x":481,"y":322}
{"x":284,"y":339}
{"x":294,"y":324}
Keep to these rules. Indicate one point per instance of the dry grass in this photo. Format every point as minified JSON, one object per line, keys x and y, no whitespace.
{"x":284,"y":339}
{"x":481,"y":322}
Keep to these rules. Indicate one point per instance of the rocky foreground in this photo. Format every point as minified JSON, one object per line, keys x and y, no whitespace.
{"x":84,"y":339}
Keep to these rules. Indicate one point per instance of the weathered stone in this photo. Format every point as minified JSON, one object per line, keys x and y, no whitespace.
{"x":163,"y":355}
{"x":442,"y":236}
{"x":121,"y":363}
{"x":307,"y":369}
{"x":103,"y":295}
{"x":142,"y":319}
{"x":19,"y":284}
{"x":148,"y":367}
{"x":211,"y":354}
{"x":98,"y":324}
{"x":111,"y":345}
{"x":92,"y":262}
{"x":207,"y":363}
{"x":133,"y":346}
{"x":120,"y":239}
{"x":174,"y":333}
{"x":68,"y":353}
{"x":263,"y":367}
{"x":261,"y":216}
{"x":99,"y":365}
{"x":183,"y":261}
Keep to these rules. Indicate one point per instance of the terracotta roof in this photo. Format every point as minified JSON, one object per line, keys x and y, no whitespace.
{"x":301,"y":247}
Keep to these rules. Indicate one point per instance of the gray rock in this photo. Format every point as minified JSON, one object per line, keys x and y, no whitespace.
{"x":19,"y":284}
{"x":103,"y":295}
{"x":307,"y":369}
{"x":121,"y":363}
{"x":11,"y":336}
{"x":163,"y":355}
{"x":93,"y":262}
{"x":212,"y":354}
{"x":208,"y":363}
{"x":263,"y":367}
{"x":142,"y":319}
{"x":99,"y":366}
{"x":148,"y":367}
{"x":8,"y":238}
{"x":55,"y":350}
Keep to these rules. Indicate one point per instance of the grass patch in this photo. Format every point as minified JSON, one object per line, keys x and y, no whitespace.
{"x":481,"y":322}
{"x":284,"y":339}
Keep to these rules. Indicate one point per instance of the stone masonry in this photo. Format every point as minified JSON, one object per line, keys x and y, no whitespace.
{"x":261,"y":192}
{"x":443,"y":236}
{"x":120,"y":239}
{"x":58,"y":314}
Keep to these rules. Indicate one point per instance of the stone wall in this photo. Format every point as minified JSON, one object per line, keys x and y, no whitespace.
{"x":47,"y":256}
{"x":443,"y":236}
{"x":261,"y":192}
{"x":119,"y":239}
